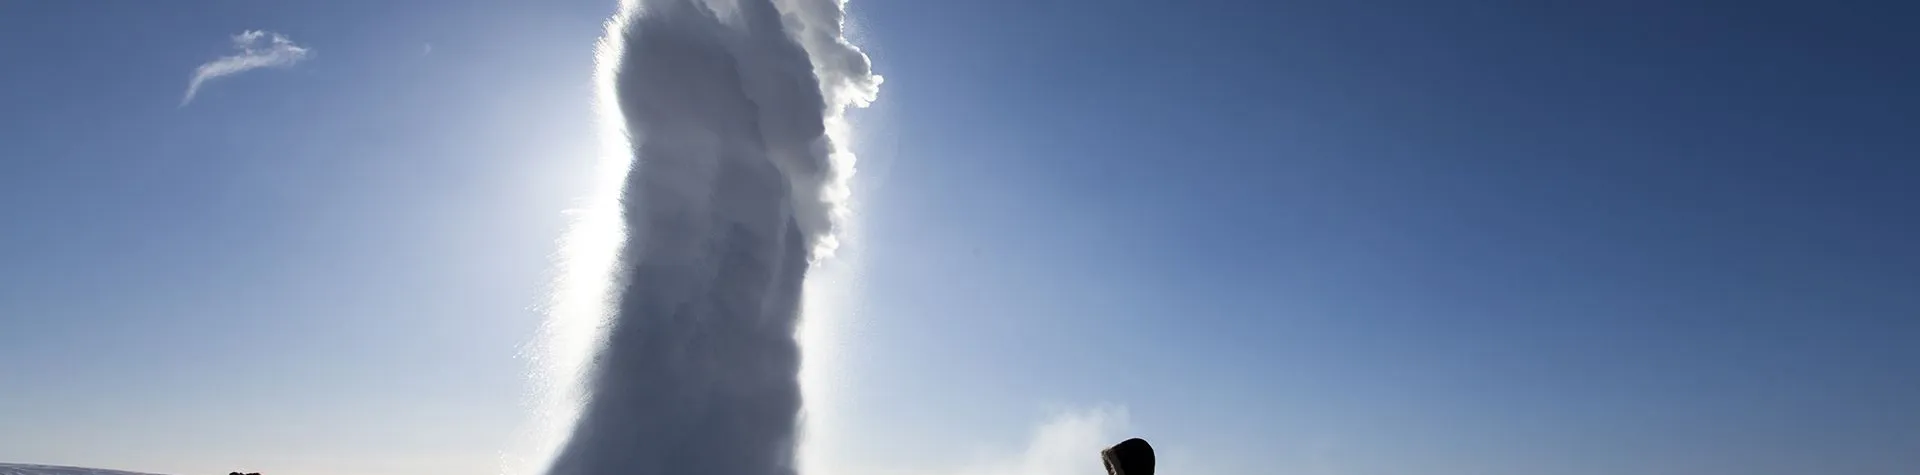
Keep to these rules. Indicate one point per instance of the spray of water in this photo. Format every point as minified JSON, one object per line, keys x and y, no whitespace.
{"x":670,"y":346}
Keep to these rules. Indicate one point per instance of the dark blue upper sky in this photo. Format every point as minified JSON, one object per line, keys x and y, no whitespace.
{"x":1618,"y":237}
{"x":1289,"y":237}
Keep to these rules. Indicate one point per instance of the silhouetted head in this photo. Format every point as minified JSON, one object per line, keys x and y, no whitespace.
{"x":1129,"y":457}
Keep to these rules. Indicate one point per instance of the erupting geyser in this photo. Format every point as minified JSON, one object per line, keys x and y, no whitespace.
{"x":732,"y":112}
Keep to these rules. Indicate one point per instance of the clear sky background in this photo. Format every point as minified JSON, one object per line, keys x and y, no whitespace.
{"x":1313,"y":237}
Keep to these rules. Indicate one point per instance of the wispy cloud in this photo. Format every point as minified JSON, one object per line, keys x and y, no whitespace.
{"x":256,"y":49}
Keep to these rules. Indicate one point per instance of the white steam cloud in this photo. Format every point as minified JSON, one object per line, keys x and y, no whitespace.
{"x":1068,"y":444}
{"x":729,"y":182}
{"x":255,"y":49}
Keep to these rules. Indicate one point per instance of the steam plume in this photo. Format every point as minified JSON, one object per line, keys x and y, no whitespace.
{"x":736,"y":184}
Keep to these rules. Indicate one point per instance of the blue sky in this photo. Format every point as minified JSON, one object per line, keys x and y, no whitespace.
{"x":1273,"y":237}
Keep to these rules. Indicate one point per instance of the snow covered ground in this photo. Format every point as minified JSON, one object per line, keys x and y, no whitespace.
{"x":30,"y":469}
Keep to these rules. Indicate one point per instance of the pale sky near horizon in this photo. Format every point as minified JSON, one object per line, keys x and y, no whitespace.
{"x":1313,"y":237}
